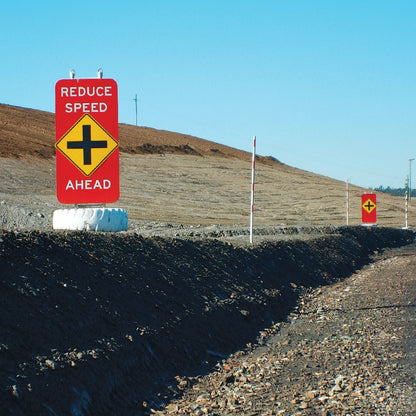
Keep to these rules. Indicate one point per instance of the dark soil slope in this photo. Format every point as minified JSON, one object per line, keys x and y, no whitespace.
{"x":106,"y":324}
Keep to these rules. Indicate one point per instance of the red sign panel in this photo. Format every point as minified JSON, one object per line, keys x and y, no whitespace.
{"x":87,"y":144}
{"x":369,"y":208}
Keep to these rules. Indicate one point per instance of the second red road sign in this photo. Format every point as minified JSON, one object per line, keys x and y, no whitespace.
{"x":87,"y":144}
{"x":369,"y":208}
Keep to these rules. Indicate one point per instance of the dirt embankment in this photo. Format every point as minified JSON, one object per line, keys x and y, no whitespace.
{"x":174,"y":178}
{"x":29,"y":132}
{"x":110,"y":324}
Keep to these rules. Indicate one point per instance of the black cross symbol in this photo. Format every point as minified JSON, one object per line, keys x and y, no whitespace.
{"x":369,"y":205}
{"x":87,"y":144}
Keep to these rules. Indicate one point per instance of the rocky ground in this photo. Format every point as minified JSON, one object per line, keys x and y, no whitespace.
{"x":347,"y":349}
{"x":96,"y":323}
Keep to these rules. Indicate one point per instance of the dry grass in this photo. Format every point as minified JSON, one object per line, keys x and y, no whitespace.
{"x":175,"y":178}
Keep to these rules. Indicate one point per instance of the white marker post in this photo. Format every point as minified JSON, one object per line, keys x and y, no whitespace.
{"x":253,"y":168}
{"x":405,"y":211}
{"x":347,"y":191}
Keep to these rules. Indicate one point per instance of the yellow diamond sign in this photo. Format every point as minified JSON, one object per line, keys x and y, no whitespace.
{"x":369,"y":205}
{"x":87,"y":145}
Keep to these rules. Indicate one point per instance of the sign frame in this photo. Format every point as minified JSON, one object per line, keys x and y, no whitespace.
{"x":87,"y":141}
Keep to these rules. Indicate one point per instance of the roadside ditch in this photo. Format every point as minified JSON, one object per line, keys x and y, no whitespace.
{"x":96,"y":323}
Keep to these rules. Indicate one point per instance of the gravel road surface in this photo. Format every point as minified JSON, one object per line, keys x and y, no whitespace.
{"x":347,"y":349}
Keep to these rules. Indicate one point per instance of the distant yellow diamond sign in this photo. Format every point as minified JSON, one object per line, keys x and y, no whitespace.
{"x":87,"y":145}
{"x":369,"y":205}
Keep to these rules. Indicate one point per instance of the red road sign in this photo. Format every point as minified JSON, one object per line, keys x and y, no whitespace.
{"x":87,"y":145}
{"x":369,"y":208}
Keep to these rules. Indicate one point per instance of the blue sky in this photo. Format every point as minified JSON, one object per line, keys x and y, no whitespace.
{"x":326,"y":86}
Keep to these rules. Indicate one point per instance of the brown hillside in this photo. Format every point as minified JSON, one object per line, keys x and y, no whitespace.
{"x":175,"y":178}
{"x":26,"y":131}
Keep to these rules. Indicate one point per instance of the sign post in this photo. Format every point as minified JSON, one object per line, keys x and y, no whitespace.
{"x":369,"y":209}
{"x":347,"y":201}
{"x":86,"y":143}
{"x":406,"y":206}
{"x":253,"y":170}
